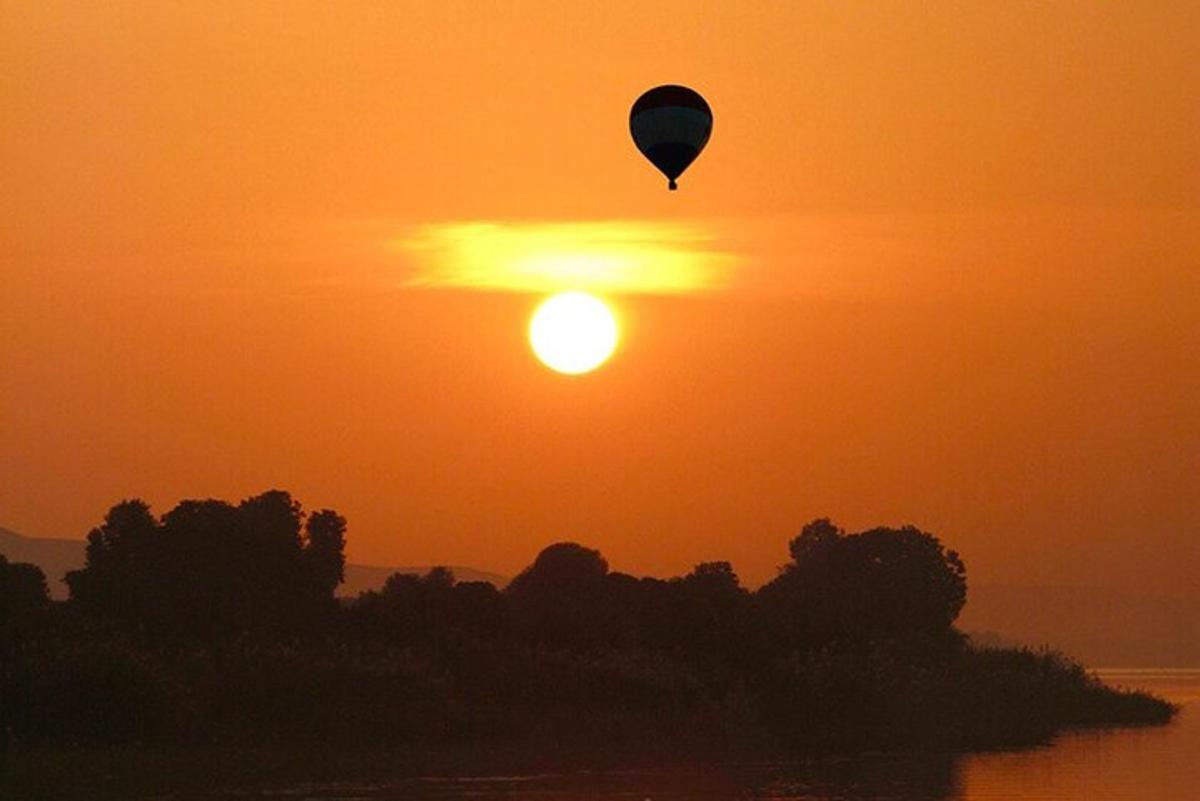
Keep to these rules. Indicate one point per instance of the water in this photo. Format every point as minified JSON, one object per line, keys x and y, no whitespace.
{"x":1148,"y":764}
{"x":1151,"y":764}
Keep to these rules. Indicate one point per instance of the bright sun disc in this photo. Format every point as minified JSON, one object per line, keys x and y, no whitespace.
{"x":573,"y":332}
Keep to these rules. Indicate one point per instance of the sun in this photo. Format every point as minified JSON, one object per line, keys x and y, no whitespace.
{"x":573,"y":332}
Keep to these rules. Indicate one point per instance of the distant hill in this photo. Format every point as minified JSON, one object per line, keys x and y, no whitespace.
{"x":1101,"y":627}
{"x":54,"y":557}
{"x":57,"y":556}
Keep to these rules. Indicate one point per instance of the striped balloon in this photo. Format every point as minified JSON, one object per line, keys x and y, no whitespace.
{"x":670,"y":125}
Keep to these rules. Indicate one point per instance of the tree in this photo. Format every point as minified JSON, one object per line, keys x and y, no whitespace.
{"x":816,"y":539}
{"x":883,"y":583}
{"x":324,"y":549}
{"x":566,"y":566}
{"x":899,"y":581}
{"x":120,"y":555}
{"x":210,"y":569}
{"x":439,"y":578}
{"x":22,"y":589}
{"x":430,"y":610}
{"x":202,"y":574}
{"x":711,"y":610}
{"x":559,"y":599}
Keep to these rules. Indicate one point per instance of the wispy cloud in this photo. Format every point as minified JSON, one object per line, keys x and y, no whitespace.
{"x":636,"y":257}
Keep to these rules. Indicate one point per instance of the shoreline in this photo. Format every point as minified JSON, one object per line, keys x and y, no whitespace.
{"x":157,"y":770}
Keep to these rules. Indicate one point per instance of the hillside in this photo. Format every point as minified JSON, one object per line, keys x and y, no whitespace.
{"x":54,"y":556}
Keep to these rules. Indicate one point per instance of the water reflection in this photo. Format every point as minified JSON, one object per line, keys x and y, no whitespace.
{"x":932,"y":778}
{"x":1150,"y":764}
{"x":924,"y":778}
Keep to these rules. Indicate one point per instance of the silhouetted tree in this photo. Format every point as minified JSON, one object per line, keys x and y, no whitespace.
{"x":815,"y":542}
{"x":22,"y":589}
{"x":899,"y":581}
{"x":714,"y":609}
{"x":478,"y":612}
{"x":398,"y":612}
{"x":564,"y":566}
{"x":560,"y":598}
{"x":324,"y":549}
{"x":883,"y":583}
{"x":430,"y":610}
{"x":209,"y":569}
{"x":122,"y":557}
{"x":716,"y":582}
{"x":439,"y":579}
{"x":282,"y":588}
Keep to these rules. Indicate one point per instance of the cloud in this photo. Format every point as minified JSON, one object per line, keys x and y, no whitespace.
{"x":613,"y":257}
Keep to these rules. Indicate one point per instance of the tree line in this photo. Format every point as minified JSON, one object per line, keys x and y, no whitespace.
{"x":218,"y":621}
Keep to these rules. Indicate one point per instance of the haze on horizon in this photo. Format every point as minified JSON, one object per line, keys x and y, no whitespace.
{"x":938,"y":266}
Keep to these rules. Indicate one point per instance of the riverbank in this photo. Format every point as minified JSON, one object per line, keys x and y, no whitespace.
{"x":244,"y":768}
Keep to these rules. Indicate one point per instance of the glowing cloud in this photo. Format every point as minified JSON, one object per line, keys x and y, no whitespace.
{"x":609,"y":257}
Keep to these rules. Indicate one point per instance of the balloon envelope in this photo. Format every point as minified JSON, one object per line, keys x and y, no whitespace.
{"x":670,"y":125}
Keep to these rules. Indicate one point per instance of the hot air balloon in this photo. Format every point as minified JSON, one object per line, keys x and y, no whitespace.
{"x":670,"y":125}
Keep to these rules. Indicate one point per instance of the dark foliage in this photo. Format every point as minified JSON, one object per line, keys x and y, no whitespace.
{"x":210,"y":570}
{"x":883,"y":583}
{"x":22,"y":590}
{"x":217,"y":624}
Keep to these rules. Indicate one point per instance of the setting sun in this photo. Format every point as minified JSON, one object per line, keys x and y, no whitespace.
{"x":573,"y":332}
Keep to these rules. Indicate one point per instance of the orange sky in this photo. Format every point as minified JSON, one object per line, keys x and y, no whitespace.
{"x":952,"y":254}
